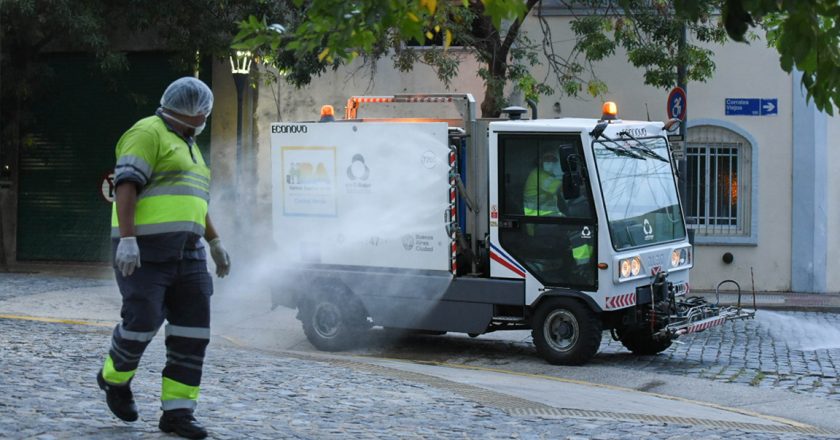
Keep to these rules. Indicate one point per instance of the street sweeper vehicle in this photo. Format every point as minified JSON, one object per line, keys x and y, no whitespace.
{"x":567,"y":227}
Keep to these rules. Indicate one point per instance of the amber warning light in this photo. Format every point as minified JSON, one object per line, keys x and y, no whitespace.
{"x":609,"y":111}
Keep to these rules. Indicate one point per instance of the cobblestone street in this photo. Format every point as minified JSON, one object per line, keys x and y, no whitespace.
{"x":47,"y":387}
{"x":22,"y":284}
{"x":48,"y":392}
{"x":777,"y":350}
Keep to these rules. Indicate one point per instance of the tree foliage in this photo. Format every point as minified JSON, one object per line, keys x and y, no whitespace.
{"x":805,"y":33}
{"x":649,"y":32}
{"x":335,"y":32}
{"x":330,"y":33}
{"x":33,"y":29}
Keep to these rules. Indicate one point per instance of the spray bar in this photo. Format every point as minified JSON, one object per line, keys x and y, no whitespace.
{"x":696,"y":315}
{"x":724,"y":315}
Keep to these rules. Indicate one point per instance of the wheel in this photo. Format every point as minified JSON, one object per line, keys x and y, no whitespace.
{"x":640,"y":341}
{"x":333,"y":322}
{"x":566,"y":331}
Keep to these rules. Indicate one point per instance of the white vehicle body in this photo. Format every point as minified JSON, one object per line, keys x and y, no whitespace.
{"x":567,"y":227}
{"x":341,"y":214}
{"x":612,"y":293}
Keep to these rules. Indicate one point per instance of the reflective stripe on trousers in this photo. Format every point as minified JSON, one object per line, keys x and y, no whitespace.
{"x":178,"y":292}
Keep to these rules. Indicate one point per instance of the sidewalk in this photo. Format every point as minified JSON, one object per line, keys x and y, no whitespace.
{"x":827,"y":302}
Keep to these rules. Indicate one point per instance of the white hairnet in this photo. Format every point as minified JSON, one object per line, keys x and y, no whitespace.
{"x":188,"y":96}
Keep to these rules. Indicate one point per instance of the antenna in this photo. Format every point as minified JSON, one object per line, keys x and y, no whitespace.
{"x":648,"y":111}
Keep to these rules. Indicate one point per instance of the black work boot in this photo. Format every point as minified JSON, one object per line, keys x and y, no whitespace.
{"x":182,"y":423}
{"x":120,"y":399}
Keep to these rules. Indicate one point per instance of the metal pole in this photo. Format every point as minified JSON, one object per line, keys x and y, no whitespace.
{"x":682,"y":82}
{"x":682,"y":164}
{"x":241,"y":80}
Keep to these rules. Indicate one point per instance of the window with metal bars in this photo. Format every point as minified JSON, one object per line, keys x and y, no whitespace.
{"x":718,"y":181}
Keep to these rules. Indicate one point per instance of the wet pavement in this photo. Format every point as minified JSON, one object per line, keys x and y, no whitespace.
{"x":47,"y":391}
{"x":47,"y":370}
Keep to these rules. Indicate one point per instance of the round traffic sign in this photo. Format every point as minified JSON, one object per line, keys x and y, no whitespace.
{"x":106,"y":187}
{"x":677,"y":104}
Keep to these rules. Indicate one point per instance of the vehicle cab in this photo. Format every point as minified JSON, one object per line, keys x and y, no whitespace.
{"x":584,"y":208}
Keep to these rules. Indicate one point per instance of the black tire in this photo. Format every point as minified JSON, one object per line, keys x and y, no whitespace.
{"x":640,"y":341}
{"x":333,"y":321}
{"x":566,"y":331}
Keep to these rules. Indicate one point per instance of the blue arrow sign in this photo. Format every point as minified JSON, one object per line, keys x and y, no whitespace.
{"x":769,"y":107}
{"x":752,"y":106}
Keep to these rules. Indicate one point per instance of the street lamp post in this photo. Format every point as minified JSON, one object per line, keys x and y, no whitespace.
{"x":240,"y":67}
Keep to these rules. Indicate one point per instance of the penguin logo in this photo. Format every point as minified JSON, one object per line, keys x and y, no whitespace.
{"x":358,"y":170}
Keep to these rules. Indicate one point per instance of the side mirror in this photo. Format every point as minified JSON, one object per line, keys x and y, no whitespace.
{"x":573,"y":180}
{"x":599,"y":130}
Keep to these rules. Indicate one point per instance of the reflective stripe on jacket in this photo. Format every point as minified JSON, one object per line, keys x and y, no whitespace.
{"x":539,"y":197}
{"x":173,"y":179}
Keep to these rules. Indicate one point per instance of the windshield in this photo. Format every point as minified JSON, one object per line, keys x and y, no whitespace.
{"x":639,"y":191}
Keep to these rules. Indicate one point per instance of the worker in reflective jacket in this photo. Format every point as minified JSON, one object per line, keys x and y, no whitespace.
{"x":543,"y":197}
{"x":541,"y":192}
{"x":159,"y":217}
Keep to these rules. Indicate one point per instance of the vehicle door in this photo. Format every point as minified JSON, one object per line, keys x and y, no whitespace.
{"x":547,"y":218}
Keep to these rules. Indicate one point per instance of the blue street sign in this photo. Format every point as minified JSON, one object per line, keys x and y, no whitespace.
{"x":677,"y":104}
{"x":769,"y":107}
{"x":752,"y":107}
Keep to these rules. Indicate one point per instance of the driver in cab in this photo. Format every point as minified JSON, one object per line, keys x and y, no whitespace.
{"x":542,"y":195}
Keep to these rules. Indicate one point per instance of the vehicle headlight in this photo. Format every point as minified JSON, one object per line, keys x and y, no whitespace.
{"x":635,"y":265}
{"x":679,"y":257}
{"x":624,"y":268}
{"x":629,"y":267}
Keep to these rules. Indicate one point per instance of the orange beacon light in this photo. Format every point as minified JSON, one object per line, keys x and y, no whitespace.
{"x":609,"y":111}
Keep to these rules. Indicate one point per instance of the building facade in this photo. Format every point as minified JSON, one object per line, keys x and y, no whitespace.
{"x":763,"y":190}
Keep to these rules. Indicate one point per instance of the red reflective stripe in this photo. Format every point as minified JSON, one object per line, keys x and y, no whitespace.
{"x":506,"y":264}
{"x":620,"y":301}
{"x":705,"y":325}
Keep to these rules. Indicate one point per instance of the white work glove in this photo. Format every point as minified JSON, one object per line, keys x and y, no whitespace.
{"x":128,"y":256}
{"x":220,"y":257}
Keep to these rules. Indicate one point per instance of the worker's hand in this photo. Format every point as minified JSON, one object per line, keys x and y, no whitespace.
{"x":128,"y":256}
{"x":220,"y":257}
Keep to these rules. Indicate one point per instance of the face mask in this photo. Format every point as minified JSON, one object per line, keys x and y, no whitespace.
{"x":197,"y":129}
{"x":553,"y":168}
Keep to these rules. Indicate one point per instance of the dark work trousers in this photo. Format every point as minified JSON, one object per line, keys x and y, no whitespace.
{"x":179,"y":292}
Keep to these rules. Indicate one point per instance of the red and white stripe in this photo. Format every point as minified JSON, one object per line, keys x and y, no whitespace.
{"x":452,"y":210}
{"x":704,"y":324}
{"x":385,"y":99}
{"x":621,"y":301}
{"x":423,"y":99}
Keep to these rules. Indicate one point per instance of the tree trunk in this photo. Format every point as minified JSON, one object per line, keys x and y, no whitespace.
{"x":495,"y":51}
{"x":494,"y":89}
